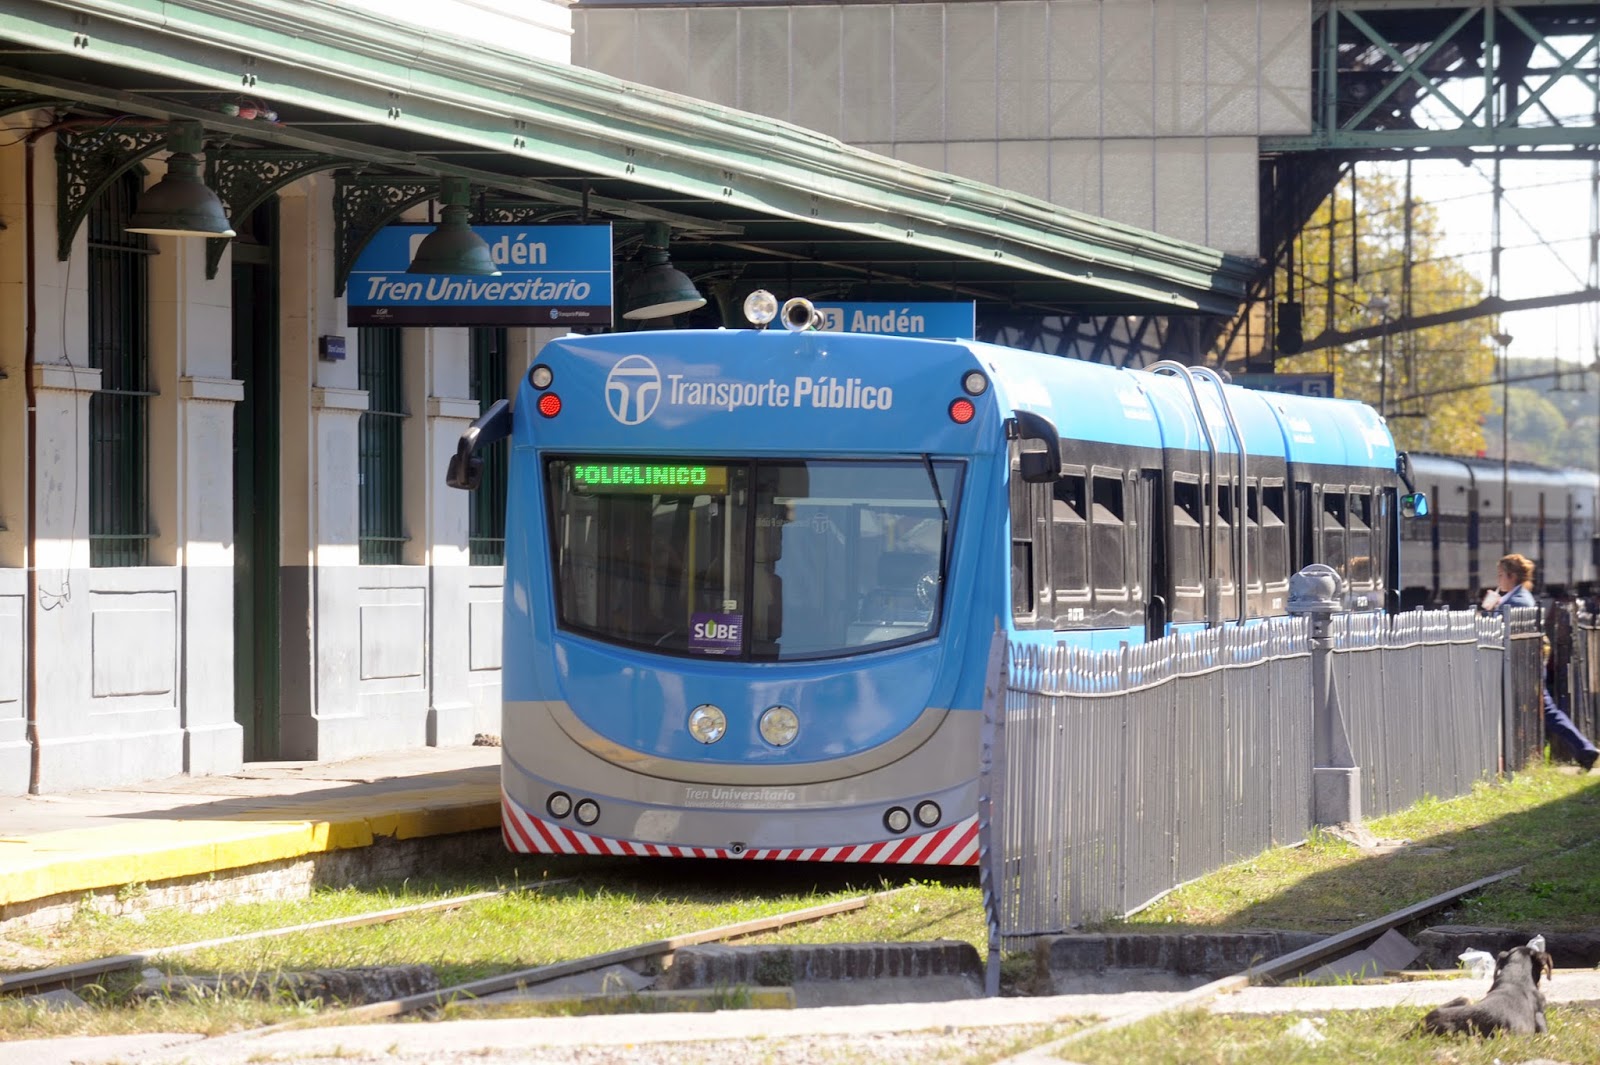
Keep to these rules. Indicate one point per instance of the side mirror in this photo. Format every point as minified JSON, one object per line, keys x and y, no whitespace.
{"x":1038,"y":467}
{"x":1414,"y":505}
{"x":466,"y":468}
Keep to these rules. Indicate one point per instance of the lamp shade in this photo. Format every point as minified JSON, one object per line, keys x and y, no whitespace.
{"x":181,"y":204}
{"x":660,"y":289}
{"x":452,"y":247}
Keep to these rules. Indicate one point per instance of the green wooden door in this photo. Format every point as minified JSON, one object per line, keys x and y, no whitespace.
{"x":256,"y":601}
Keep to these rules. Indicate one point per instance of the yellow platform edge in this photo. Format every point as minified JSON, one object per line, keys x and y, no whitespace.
{"x":149,"y":851}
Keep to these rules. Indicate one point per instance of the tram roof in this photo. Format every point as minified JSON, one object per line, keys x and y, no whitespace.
{"x":748,"y":197}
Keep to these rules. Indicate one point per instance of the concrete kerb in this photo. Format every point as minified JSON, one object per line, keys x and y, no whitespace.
{"x":269,"y":850}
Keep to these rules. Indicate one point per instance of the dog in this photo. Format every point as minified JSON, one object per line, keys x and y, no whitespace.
{"x":1513,"y":1004}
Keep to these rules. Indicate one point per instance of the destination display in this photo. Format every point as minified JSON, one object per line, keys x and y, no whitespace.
{"x":549,"y":276}
{"x":623,"y":478}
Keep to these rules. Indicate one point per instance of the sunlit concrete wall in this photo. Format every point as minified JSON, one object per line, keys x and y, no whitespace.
{"x":1147,"y":112}
{"x":541,"y":29}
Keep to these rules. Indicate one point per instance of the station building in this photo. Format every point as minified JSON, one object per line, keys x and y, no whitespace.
{"x":224,"y":530}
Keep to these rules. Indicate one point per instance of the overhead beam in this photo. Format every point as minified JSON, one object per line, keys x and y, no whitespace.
{"x":1484,"y":308}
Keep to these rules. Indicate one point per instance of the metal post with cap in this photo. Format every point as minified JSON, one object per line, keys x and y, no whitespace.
{"x":1317,"y":592}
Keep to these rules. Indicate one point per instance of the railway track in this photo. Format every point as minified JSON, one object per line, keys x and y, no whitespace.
{"x":58,"y":976}
{"x":522,"y":978}
{"x":78,"y":973}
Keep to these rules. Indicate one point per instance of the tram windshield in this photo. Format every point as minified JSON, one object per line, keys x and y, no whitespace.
{"x":762,"y":560}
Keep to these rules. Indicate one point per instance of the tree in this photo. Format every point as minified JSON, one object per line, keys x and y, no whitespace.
{"x":1538,"y":429}
{"x":1415,"y":377}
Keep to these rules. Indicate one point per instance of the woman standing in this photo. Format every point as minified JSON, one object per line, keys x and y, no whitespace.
{"x":1516,"y":589}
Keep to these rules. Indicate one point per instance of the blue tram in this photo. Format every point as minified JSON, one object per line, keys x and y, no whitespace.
{"x":752,"y":575}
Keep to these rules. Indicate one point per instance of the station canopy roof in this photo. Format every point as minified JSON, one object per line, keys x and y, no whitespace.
{"x":758,"y":201}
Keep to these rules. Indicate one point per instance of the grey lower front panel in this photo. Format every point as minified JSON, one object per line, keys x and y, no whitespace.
{"x":827,"y":810}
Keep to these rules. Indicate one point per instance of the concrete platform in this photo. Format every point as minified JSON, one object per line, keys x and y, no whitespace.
{"x":182,"y":830}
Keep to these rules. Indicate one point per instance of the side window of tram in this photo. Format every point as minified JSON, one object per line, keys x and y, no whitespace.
{"x":1332,"y":546}
{"x":1227,"y":524}
{"x":1359,"y":569}
{"x":1110,"y":542}
{"x":1268,"y":548}
{"x":1022,"y":575}
{"x":1186,"y":563}
{"x":1069,"y":550}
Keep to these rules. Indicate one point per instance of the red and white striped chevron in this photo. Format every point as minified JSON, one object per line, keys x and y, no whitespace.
{"x":956,"y":844}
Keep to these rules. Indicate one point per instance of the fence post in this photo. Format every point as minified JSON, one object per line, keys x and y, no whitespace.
{"x":1318,"y":593}
{"x":991,"y":801}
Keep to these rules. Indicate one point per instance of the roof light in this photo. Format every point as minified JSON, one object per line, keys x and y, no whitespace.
{"x":549,"y":404}
{"x":760,"y":307}
{"x":962,"y":411}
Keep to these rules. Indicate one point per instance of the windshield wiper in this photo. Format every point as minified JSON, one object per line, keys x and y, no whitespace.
{"x":944,"y":515}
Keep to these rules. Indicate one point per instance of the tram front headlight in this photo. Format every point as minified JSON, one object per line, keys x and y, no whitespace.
{"x":779,"y":726}
{"x":928,"y":813}
{"x":559,"y":804}
{"x":707,"y":723}
{"x":896,"y":820}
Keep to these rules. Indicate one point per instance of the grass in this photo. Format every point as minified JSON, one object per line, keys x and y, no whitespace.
{"x":1384,"y":1037}
{"x":1543,"y":819}
{"x":606,"y":905}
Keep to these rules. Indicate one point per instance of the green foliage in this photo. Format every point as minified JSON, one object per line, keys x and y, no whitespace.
{"x":1341,"y":281}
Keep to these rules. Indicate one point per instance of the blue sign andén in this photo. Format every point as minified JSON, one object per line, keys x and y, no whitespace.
{"x":549,"y":275}
{"x":947,"y":321}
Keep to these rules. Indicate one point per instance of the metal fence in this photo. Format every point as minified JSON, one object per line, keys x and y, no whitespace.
{"x":1111,"y":777}
{"x":1421,"y":696}
{"x":1115,"y":775}
{"x":1522,"y":730}
{"x":1576,"y":678}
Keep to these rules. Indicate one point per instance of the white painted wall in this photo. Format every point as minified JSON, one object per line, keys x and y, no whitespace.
{"x":135,"y":666}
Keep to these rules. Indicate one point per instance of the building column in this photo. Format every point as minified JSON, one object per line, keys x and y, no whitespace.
{"x":15,"y":750}
{"x":437,"y":363}
{"x":320,"y":409}
{"x":191,"y":487}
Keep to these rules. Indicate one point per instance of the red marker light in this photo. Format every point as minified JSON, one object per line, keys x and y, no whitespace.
{"x":962,"y":411}
{"x":549,"y":404}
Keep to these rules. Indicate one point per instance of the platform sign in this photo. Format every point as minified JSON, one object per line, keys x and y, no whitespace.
{"x":1297,"y":384}
{"x":549,"y":276}
{"x":944,"y":321}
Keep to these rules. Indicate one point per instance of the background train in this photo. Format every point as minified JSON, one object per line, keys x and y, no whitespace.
{"x":1448,"y":557}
